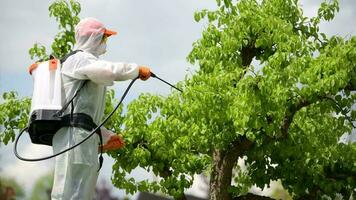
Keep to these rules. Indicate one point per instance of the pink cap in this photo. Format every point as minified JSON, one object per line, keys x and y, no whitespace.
{"x":89,"y":26}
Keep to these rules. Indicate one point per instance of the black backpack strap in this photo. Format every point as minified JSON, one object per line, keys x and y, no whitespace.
{"x":61,"y":111}
{"x":81,"y":120}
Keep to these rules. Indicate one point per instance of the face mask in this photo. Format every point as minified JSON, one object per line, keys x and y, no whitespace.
{"x":101,"y":49}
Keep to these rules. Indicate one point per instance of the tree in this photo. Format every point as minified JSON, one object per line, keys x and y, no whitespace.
{"x":284,"y":115}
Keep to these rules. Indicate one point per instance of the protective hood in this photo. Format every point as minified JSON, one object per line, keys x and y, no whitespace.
{"x":88,"y":35}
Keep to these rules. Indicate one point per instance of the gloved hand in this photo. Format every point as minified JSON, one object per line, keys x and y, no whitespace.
{"x":144,"y":73}
{"x":111,"y":141}
{"x":115,"y":142}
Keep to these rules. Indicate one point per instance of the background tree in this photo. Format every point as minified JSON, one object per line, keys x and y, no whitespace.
{"x":43,"y":187}
{"x":66,"y":14}
{"x":14,"y":110}
{"x":103,"y":191}
{"x":10,"y":189}
{"x":271,"y":89}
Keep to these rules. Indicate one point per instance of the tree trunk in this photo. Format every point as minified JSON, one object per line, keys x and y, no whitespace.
{"x":183,"y":197}
{"x":220,"y":179}
{"x":223,"y":163}
{"x":221,"y":176}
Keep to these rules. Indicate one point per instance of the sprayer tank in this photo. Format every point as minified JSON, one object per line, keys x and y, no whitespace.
{"x":47,"y":89}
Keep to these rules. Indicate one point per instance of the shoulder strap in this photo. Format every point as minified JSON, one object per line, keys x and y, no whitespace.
{"x":69,"y":54}
{"x":60,"y":112}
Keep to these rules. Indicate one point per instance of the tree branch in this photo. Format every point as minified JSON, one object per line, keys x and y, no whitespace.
{"x":344,"y":112}
{"x":341,"y":176}
{"x":288,"y":118}
{"x":241,"y":145}
{"x":350,"y":87}
{"x":312,"y":194}
{"x":294,"y":108}
{"x":248,"y":53}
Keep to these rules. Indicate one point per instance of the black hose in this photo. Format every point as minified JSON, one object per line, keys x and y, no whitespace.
{"x":72,"y":147}
{"x":92,"y":133}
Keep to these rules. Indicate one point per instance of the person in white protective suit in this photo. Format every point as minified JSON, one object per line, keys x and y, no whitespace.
{"x":76,"y":171}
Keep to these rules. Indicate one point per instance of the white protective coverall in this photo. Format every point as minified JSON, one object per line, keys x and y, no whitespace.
{"x":76,"y":171}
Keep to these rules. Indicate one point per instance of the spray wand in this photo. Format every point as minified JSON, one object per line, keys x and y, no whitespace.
{"x":155,"y":76}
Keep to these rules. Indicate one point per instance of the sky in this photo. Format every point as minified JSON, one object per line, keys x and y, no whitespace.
{"x":155,"y":33}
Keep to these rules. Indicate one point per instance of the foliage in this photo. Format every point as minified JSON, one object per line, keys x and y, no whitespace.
{"x":66,"y":14}
{"x":291,"y":105}
{"x":13,"y":116}
{"x":115,"y":122}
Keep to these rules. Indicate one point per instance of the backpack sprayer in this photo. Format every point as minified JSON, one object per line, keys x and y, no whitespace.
{"x":46,"y":116}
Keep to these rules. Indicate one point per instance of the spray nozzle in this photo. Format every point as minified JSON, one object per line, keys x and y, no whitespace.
{"x":155,"y":76}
